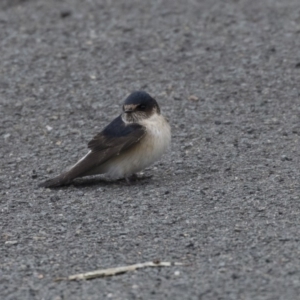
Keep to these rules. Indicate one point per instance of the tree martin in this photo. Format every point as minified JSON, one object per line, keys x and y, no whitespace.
{"x":131,"y":142}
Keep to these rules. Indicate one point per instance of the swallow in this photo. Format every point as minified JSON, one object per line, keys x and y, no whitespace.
{"x":133,"y":141}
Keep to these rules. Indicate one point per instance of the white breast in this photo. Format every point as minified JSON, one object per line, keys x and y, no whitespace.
{"x":146,"y":152}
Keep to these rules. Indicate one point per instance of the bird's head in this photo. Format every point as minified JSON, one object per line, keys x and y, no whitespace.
{"x":138,"y":106}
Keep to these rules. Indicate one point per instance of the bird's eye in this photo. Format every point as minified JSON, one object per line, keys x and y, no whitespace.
{"x":142,"y":106}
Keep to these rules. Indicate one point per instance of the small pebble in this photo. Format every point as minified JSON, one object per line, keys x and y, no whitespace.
{"x":193,"y":98}
{"x":34,"y":175}
{"x":65,"y":13}
{"x":54,"y":198}
{"x":6,"y":136}
{"x":284,"y":157}
{"x":9,"y":243}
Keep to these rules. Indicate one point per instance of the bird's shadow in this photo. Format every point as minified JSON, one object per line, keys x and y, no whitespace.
{"x":101,"y":182}
{"x":87,"y":182}
{"x":137,"y":180}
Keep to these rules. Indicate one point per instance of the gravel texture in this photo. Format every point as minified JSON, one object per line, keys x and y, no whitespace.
{"x":225,"y":200}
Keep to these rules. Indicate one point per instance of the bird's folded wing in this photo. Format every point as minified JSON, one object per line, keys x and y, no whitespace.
{"x":115,"y":138}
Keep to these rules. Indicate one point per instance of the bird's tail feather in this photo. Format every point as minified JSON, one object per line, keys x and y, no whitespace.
{"x":82,"y":168}
{"x":57,"y":181}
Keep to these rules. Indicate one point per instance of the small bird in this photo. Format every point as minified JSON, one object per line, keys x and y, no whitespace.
{"x":131,"y":142}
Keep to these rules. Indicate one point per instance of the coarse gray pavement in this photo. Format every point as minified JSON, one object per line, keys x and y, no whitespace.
{"x":225,"y":199}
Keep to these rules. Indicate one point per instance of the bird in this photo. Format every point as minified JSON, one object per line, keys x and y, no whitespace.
{"x":131,"y":142}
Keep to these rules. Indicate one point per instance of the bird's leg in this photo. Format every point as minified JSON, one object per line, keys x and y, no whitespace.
{"x":131,"y":179}
{"x":134,"y":178}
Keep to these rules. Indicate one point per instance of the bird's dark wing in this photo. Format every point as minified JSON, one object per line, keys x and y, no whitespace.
{"x":115,"y":138}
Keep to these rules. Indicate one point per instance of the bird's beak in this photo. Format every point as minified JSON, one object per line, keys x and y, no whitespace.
{"x":127,"y":111}
{"x":129,"y":108}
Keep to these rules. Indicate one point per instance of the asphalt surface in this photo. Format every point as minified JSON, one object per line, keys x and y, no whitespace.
{"x":224,"y":201}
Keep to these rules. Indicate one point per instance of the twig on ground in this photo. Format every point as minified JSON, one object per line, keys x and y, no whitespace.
{"x":118,"y":270}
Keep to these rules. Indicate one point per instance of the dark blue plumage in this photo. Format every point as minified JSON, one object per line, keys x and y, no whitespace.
{"x":117,"y":133}
{"x":117,"y":128}
{"x":142,"y":98}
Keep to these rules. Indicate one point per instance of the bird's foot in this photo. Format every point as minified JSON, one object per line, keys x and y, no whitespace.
{"x":134,"y":178}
